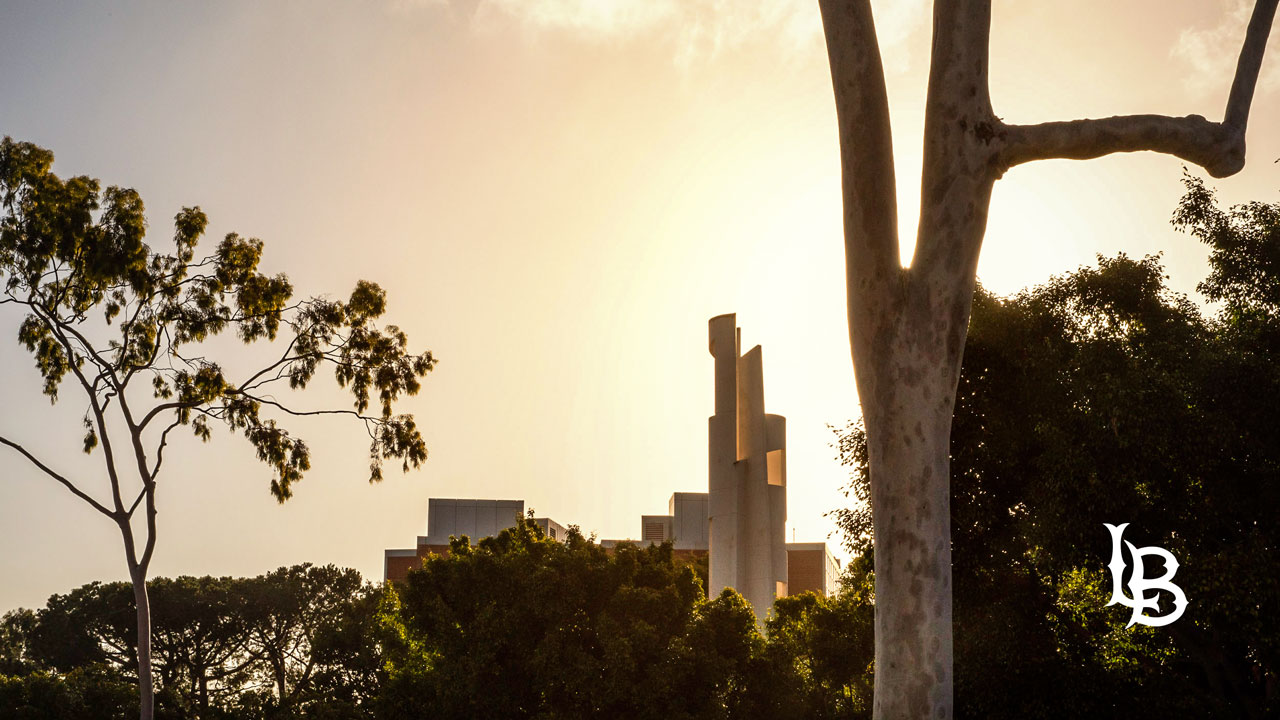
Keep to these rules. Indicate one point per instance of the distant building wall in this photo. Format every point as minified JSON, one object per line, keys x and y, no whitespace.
{"x":740,"y":522}
{"x":690,"y":520}
{"x":550,"y":528}
{"x":656,"y":528}
{"x":810,"y":568}
{"x":456,"y":517}
{"x":396,"y":564}
{"x":474,"y":518}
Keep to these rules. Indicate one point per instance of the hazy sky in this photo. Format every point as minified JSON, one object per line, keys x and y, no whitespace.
{"x":557,"y":195}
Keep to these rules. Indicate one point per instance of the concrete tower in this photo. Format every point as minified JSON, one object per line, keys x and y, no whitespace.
{"x":747,"y":477}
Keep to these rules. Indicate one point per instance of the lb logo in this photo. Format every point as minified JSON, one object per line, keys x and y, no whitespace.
{"x":1140,"y":584}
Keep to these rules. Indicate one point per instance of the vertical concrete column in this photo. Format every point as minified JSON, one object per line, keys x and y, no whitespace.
{"x":755,"y":551}
{"x":723,"y":491}
{"x":776,"y":433}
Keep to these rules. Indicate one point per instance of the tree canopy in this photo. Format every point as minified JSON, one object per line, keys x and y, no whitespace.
{"x":124,"y":324}
{"x":518,"y":626}
{"x":1104,"y":397}
{"x":295,"y":642}
{"x":908,"y":323}
{"x":523,"y":626}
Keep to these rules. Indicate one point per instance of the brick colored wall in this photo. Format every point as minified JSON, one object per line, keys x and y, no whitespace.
{"x":398,"y":567}
{"x":804,"y":571}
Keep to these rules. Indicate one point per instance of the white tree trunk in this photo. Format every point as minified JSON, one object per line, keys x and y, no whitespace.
{"x":907,"y":327}
{"x":146,"y":685}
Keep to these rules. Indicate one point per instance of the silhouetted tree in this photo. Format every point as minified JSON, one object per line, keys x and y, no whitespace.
{"x":286,"y":614}
{"x":627,"y":634}
{"x":297,"y":642}
{"x":523,"y":626}
{"x":1102,"y":396}
{"x":16,"y":628}
{"x":101,"y":307}
{"x":94,"y":692}
{"x":201,"y":628}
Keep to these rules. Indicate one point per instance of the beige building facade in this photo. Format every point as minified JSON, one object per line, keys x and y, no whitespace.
{"x":739,"y":523}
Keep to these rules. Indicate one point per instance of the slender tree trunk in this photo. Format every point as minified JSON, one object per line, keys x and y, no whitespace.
{"x":204,"y":693}
{"x":278,"y":662}
{"x":146,"y":686}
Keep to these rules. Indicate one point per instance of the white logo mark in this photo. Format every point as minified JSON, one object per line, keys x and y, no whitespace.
{"x":1139,"y":584}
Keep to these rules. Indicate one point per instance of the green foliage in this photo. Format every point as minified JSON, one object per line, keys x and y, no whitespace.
{"x":522,"y":626}
{"x":1245,"y":249}
{"x":297,"y":642}
{"x":104,"y":307}
{"x":518,"y":626}
{"x":15,"y":640}
{"x":92,"y":692}
{"x":826,"y":647}
{"x":1102,"y":396}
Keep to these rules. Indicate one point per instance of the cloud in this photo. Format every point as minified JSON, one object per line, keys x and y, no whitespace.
{"x":696,"y":30}
{"x":1211,"y":53}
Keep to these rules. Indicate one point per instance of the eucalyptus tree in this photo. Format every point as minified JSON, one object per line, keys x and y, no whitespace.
{"x":1103,"y":394}
{"x":907,"y":325}
{"x":126,"y":324}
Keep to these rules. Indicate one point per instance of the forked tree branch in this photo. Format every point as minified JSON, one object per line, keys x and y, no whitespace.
{"x":874,"y":277}
{"x":862,"y":111}
{"x":58,"y":329}
{"x":56,"y":476}
{"x":1217,"y":147}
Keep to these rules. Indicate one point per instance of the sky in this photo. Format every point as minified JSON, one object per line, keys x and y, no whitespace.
{"x":557,"y":195}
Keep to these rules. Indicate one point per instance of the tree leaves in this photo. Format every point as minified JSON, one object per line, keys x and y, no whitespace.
{"x":285,"y":638}
{"x":1244,"y":248}
{"x":1103,"y":396}
{"x":67,"y":247}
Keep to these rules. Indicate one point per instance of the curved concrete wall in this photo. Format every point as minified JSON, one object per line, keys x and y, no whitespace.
{"x":747,"y":476}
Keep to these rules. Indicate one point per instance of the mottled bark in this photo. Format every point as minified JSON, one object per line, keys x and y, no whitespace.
{"x":907,"y":326}
{"x":146,"y":685}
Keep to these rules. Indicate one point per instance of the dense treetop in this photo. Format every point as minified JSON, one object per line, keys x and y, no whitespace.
{"x":1104,"y":397}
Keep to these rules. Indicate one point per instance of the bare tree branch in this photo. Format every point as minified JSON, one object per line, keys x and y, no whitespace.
{"x":304,"y":413}
{"x":57,"y":328}
{"x":1217,"y":147}
{"x":150,"y":546}
{"x":1248,"y":66}
{"x":88,"y":348}
{"x":146,"y":420}
{"x":1194,"y":139}
{"x":957,"y":168}
{"x":284,"y":360}
{"x":56,"y":476}
{"x":164,"y":440}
